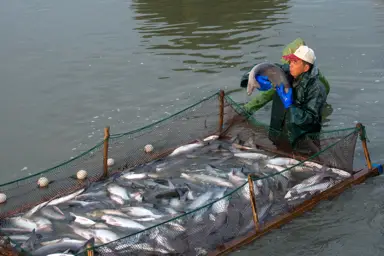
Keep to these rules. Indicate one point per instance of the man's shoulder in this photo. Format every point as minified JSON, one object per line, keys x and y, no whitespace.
{"x":318,"y":84}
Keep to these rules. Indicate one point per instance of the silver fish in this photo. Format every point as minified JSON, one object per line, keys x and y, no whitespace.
{"x":92,"y":194}
{"x":283,"y":161}
{"x":186,"y":148}
{"x":104,"y":235}
{"x":99,"y":213}
{"x":52,"y":214}
{"x":118,"y":191}
{"x":274,"y":73}
{"x":117,"y":199}
{"x":82,"y":220}
{"x":341,"y":173}
{"x":35,"y":209}
{"x":313,"y":188}
{"x":305,"y":183}
{"x":23,"y":223}
{"x":144,"y":249}
{"x":19,"y":237}
{"x":201,"y":200}
{"x":122,"y":222}
{"x":207,"y":179}
{"x":262,"y":214}
{"x":60,"y":246}
{"x":254,"y":156}
{"x":134,"y":176}
{"x":212,"y":137}
{"x":66,"y":198}
{"x":312,"y":164}
{"x":300,"y":168}
{"x":61,"y":240}
{"x":281,"y":170}
{"x":140,"y":212}
{"x":82,"y":203}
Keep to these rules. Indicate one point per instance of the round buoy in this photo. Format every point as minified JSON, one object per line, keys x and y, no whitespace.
{"x":43,"y":182}
{"x":82,"y":174}
{"x":110,"y":161}
{"x":148,"y":148}
{"x":3,"y":198}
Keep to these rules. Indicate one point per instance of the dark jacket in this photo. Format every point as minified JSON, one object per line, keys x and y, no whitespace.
{"x":305,"y":115}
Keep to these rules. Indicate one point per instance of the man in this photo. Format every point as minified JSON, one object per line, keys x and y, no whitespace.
{"x":299,"y":111}
{"x":264,"y":97}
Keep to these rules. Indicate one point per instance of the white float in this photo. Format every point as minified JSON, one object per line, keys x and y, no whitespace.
{"x":43,"y":182}
{"x":82,"y":174}
{"x":3,"y":198}
{"x":148,"y":148}
{"x":110,"y":161}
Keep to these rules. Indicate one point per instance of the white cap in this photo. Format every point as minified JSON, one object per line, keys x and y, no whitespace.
{"x":304,"y":53}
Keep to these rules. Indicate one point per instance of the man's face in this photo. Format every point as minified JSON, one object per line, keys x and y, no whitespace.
{"x":297,"y":67}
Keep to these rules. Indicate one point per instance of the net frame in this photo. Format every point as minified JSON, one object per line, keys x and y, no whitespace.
{"x":221,"y":129}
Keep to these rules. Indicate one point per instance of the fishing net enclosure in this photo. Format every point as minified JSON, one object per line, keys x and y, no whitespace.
{"x":211,"y":169}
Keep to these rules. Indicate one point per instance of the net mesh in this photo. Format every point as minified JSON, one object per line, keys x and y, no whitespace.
{"x":201,"y":217}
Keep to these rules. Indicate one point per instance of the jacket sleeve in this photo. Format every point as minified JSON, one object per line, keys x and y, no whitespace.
{"x":325,"y":82}
{"x":309,"y":112}
{"x":260,"y":100}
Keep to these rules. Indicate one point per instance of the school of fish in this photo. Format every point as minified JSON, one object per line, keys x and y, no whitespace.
{"x":191,"y":177}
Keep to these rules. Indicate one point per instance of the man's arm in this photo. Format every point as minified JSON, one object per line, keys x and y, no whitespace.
{"x":309,"y":113}
{"x":259,"y":101}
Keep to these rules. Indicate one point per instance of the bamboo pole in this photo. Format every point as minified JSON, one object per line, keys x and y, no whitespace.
{"x":105,"y":159}
{"x":253,"y":203}
{"x":221,"y":110}
{"x":364,"y":142}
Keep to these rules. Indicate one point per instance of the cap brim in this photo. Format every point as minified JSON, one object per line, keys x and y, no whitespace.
{"x":291,"y":57}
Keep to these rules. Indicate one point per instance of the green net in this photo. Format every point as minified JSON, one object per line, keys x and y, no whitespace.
{"x":176,"y":204}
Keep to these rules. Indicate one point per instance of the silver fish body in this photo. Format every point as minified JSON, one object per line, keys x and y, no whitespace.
{"x":254,"y":156}
{"x":66,"y":198}
{"x":118,"y":191}
{"x":186,"y":148}
{"x":274,"y":73}
{"x":122,"y":222}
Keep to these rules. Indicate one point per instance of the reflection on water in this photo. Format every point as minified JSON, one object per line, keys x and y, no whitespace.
{"x":210,"y":35}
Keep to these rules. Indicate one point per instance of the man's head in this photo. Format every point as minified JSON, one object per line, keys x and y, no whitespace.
{"x":301,"y":60}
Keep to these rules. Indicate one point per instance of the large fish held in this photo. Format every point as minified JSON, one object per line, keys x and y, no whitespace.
{"x":275,"y":75}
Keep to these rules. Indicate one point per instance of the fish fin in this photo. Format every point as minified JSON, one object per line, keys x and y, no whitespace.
{"x":58,"y":210}
{"x":29,"y":244}
{"x":170,"y":184}
{"x":71,"y":217}
{"x":183,"y":196}
{"x":83,"y":248}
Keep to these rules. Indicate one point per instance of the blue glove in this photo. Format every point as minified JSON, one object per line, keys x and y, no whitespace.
{"x":286,"y":98}
{"x":265,"y":84}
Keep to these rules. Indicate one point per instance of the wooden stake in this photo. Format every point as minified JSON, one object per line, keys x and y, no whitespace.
{"x":364,"y":142}
{"x":253,"y":203}
{"x":221,"y":110}
{"x":89,"y":250}
{"x":105,"y":162}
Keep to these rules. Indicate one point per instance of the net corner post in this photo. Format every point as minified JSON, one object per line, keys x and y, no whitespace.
{"x":221,"y":109}
{"x":105,"y":154}
{"x":362,"y":133}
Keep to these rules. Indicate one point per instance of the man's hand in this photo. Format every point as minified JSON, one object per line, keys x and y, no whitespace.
{"x":286,"y":98}
{"x":265,"y":84}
